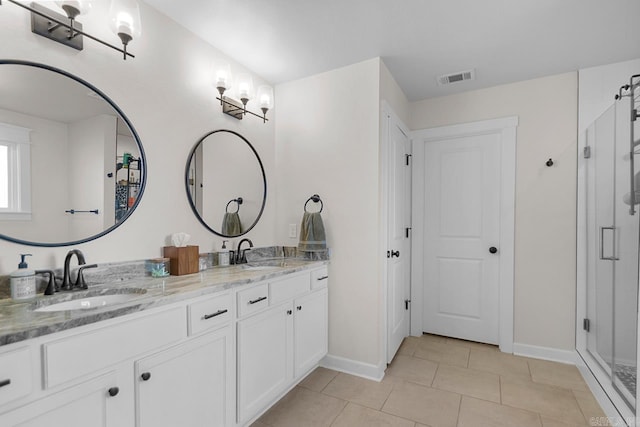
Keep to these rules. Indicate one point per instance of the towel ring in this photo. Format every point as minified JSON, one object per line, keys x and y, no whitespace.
{"x":315,"y":198}
{"x":238,"y":201}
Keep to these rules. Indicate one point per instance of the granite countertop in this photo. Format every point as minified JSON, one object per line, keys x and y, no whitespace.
{"x":19,"y":321}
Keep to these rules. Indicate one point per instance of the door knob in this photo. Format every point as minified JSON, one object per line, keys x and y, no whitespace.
{"x":493,"y":249}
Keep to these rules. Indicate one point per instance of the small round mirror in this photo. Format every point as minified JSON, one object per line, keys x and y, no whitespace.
{"x":226,"y":184}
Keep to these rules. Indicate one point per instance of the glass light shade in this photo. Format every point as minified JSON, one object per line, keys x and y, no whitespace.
{"x":223,"y":77}
{"x":124,"y":18}
{"x":245,"y":86}
{"x":265,"y":96}
{"x":81,"y":7}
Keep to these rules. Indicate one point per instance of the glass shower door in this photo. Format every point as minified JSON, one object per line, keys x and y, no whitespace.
{"x":612,"y":251}
{"x":625,"y":279}
{"x":600,"y":221}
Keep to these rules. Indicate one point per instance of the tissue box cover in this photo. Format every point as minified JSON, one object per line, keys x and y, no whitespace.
{"x":184,"y":260}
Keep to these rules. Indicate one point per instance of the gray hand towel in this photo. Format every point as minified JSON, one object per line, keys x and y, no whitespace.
{"x":312,"y":235}
{"x":231,"y":225}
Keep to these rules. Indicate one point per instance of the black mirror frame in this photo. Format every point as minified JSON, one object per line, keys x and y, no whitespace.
{"x":133,"y":133}
{"x":186,"y":183}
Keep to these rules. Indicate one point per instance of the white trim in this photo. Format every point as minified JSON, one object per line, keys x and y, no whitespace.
{"x":354,"y":367}
{"x":506,"y":127}
{"x":387,"y":116}
{"x":546,"y":353}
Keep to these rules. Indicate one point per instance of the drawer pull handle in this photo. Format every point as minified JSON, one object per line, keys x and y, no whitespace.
{"x":145,"y":376}
{"x":5,"y":382}
{"x":322,"y":278}
{"x":257,"y":300}
{"x":299,"y":308}
{"x":217,"y":313}
{"x":113,"y":391}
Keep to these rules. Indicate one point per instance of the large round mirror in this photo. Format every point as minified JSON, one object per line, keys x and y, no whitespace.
{"x":226,"y":184}
{"x":72,"y":167}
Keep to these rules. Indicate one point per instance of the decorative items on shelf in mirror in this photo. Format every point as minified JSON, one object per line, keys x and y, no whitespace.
{"x":245,"y":92}
{"x":101,"y":166}
{"x":124,"y":21}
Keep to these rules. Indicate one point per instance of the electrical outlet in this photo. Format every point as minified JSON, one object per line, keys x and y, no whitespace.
{"x":293,"y":231}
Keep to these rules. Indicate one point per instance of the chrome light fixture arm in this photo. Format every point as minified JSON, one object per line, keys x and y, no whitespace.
{"x":74,"y":28}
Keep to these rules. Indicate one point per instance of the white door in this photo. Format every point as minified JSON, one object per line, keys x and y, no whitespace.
{"x":188,"y":385}
{"x":461,"y":237}
{"x":265,"y":359}
{"x":310,"y":331}
{"x":399,"y":252}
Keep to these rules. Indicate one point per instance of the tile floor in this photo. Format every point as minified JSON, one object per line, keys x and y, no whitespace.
{"x":442,"y":382}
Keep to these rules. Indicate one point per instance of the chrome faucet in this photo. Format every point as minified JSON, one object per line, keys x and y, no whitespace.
{"x":66,"y":276}
{"x":241,"y":255}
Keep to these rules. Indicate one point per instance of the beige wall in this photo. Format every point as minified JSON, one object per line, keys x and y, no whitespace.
{"x":167,"y":92}
{"x":327,"y":143}
{"x":545,"y":234}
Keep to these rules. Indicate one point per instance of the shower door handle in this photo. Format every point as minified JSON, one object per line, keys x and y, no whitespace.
{"x":613,"y":242}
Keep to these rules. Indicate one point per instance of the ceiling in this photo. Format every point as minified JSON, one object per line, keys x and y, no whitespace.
{"x":503,"y":40}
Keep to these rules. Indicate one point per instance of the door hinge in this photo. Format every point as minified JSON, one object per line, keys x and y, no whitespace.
{"x":586,"y":324}
{"x":406,"y":157}
{"x":586,"y":151}
{"x":406,"y":232}
{"x":406,"y":304}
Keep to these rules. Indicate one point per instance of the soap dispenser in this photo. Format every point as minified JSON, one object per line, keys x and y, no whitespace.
{"x":223,"y":255}
{"x":23,"y":281}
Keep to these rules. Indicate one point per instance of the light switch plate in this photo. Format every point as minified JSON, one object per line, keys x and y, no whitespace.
{"x":293,"y":231}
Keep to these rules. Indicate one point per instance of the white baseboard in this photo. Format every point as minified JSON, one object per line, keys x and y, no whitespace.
{"x":353,"y":367}
{"x":546,"y":353}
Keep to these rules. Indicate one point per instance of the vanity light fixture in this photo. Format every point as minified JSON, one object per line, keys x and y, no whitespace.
{"x":124,"y":17}
{"x":244,"y":88}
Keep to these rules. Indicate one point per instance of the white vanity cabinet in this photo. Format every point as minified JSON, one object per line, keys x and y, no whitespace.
{"x":217,"y":360}
{"x":89,"y":404}
{"x":188,"y":385}
{"x":311,"y":331}
{"x":277,"y":346}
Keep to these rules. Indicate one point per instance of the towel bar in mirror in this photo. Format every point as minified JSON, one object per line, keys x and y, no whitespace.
{"x":225,"y":183}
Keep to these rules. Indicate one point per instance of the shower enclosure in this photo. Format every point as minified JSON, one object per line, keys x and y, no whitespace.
{"x":609,"y":185}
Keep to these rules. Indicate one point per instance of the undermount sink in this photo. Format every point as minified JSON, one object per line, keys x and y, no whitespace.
{"x":94,"y":301}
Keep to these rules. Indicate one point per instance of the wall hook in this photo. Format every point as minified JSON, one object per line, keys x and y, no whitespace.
{"x":549,"y":163}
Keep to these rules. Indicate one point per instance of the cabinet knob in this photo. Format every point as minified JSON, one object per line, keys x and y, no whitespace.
{"x":299,"y":307}
{"x":289,"y":312}
{"x":493,"y":249}
{"x":113,"y":391}
{"x":145,"y":376}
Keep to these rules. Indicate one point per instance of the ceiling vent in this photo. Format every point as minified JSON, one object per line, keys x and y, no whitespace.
{"x":457,"y":77}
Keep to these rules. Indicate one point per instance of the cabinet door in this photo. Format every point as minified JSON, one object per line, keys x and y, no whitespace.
{"x":84,"y":405}
{"x":265,"y":362}
{"x":188,"y":385}
{"x":310,"y":330}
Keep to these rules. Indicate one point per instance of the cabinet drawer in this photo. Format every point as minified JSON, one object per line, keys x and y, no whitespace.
{"x":320,"y":278}
{"x":209,"y":313}
{"x":78,"y":355}
{"x":289,"y":287}
{"x":253,"y":299}
{"x":15,"y":375}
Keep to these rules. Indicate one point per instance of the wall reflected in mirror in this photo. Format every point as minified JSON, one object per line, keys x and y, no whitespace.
{"x":84,"y":157}
{"x":226,"y":184}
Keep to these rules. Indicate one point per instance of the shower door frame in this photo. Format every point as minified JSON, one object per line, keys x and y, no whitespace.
{"x":609,"y":398}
